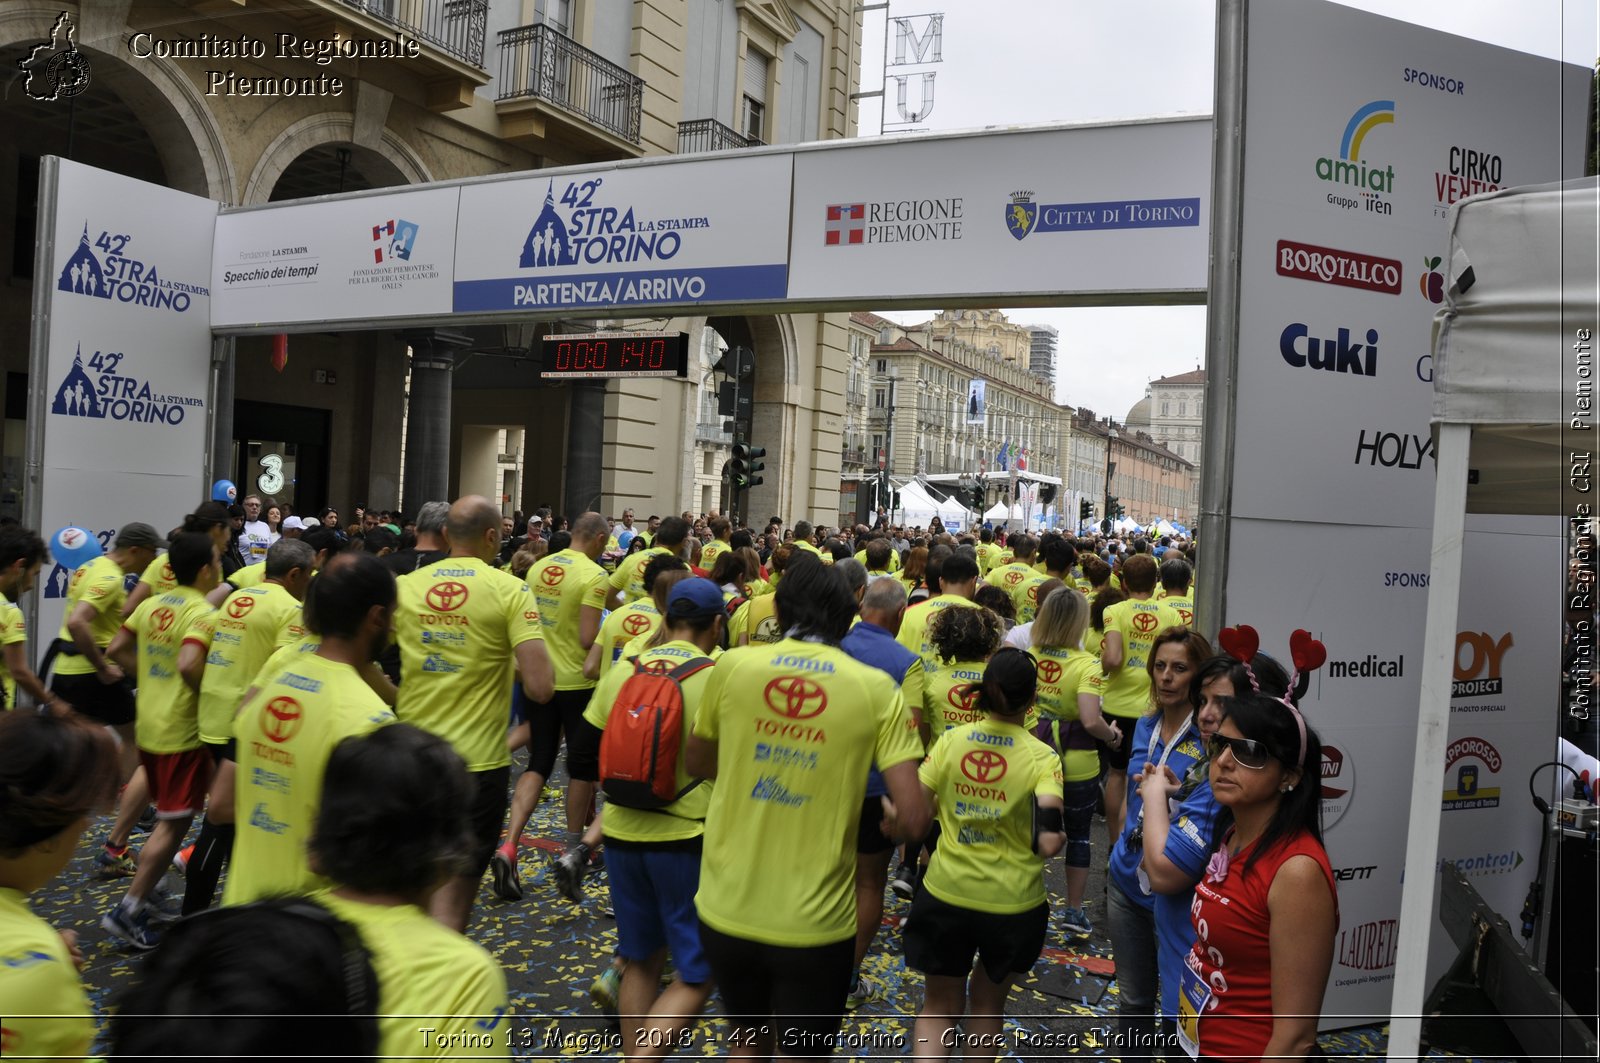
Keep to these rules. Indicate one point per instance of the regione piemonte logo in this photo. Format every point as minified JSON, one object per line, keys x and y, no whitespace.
{"x":846,"y":225}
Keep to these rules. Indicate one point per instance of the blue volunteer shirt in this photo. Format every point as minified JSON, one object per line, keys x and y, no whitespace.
{"x":1147,"y":747}
{"x":875,"y":647}
{"x":1189,"y":850}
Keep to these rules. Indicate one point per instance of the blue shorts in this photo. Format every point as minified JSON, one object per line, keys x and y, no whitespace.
{"x":652,"y":890}
{"x":519,"y":704}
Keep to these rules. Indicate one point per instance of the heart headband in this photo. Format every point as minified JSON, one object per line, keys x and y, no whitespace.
{"x":1307,"y":653}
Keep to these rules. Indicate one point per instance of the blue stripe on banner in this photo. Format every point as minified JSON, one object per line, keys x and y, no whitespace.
{"x":715,"y":284}
{"x":1125,"y":214}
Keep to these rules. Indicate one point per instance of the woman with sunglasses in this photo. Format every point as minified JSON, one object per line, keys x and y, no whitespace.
{"x":978,"y":922}
{"x":1180,"y":813}
{"x":1266,"y":912}
{"x":1165,"y":737}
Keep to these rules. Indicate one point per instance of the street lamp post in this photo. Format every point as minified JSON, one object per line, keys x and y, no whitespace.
{"x":1111,"y":468}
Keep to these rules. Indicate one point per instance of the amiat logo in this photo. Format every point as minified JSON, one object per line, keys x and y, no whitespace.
{"x":1352,"y":170}
{"x":116,"y":395}
{"x":119,"y":276}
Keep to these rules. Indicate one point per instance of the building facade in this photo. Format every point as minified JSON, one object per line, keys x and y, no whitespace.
{"x":1042,"y":352}
{"x":495,"y":86}
{"x":1148,"y":480}
{"x":1172,"y":412}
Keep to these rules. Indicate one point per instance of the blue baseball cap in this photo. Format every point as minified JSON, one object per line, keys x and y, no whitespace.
{"x":694,"y":597}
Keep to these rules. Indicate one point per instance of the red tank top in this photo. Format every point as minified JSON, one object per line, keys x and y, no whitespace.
{"x":1232,"y":951}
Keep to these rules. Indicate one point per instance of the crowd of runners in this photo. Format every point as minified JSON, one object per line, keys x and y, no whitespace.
{"x":764,"y":730}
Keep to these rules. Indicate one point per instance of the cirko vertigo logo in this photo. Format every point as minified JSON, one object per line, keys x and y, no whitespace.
{"x":1467,"y":172}
{"x":1472,"y":759}
{"x":1348,"y":269}
{"x":1338,"y":783}
{"x":1363,"y":184}
{"x":1337,"y":355}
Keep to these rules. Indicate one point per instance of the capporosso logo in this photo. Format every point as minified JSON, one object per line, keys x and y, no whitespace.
{"x":116,"y":395}
{"x":1475,"y":757}
{"x":1366,"y":182}
{"x":116,"y":274}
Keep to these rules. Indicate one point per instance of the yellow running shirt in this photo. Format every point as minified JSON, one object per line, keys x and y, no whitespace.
{"x":945,"y":701}
{"x":711,"y":551}
{"x":12,"y":631}
{"x":159,"y":575}
{"x":458,"y":622}
{"x":249,"y":575}
{"x":756,"y":619}
{"x":1064,"y":675}
{"x":428,"y":976}
{"x":1176,"y":611}
{"x":622,"y":626}
{"x":301,"y":710}
{"x":243,"y":634}
{"x":168,"y":719}
{"x":685,"y":817}
{"x":1010,"y":576}
{"x":1025,"y":596}
{"x":562,"y":584}
{"x":46,"y":1011}
{"x":984,"y":776}
{"x":1127,"y":689}
{"x":797,"y":725}
{"x":914,"y":628}
{"x":99,"y":583}
{"x":629,"y":576}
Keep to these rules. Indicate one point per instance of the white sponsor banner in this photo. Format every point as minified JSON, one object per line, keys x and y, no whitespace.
{"x":1361,"y":131}
{"x":127,"y":364}
{"x":354,"y":259}
{"x":1090,"y":209}
{"x":1363,"y":703}
{"x":675,"y":234}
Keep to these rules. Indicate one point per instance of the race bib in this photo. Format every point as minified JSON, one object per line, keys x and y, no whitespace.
{"x":1194,"y":996}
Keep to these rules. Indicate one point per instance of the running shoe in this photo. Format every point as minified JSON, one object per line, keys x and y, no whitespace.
{"x":507,"y":885}
{"x":180,"y":860}
{"x":569,"y":871}
{"x":134,"y":929}
{"x":147,"y":821}
{"x":904,"y":883}
{"x":108,"y":864}
{"x":603,"y":990}
{"x":163,"y":906}
{"x":863,"y":992}
{"x":1076,"y":921}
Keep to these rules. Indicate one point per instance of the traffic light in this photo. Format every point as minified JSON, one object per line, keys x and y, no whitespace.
{"x":746,"y":464}
{"x":1113,"y":506}
{"x":1047,"y":494}
{"x":1085,"y":510}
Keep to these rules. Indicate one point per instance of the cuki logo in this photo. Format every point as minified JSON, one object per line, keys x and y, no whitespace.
{"x":1304,"y":351}
{"x":846,"y":225}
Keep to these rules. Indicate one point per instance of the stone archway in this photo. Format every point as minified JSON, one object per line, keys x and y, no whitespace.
{"x":773,"y":423}
{"x":320,"y":130}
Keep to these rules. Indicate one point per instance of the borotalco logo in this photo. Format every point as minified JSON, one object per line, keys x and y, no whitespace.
{"x":281,"y":719}
{"x":1393,"y":450}
{"x":163,"y":618}
{"x":239,"y":606}
{"x":116,"y":395}
{"x":635,"y":624}
{"x":447,"y":597}
{"x":1369,"y":946}
{"x":1348,"y":269}
{"x":984,"y":766}
{"x":115,"y":274}
{"x":1363,"y":182}
{"x":552,"y":575}
{"x":1479,"y":656}
{"x":1470,"y":758}
{"x":1304,"y":351}
{"x":1049,"y":671}
{"x":1338,"y":784}
{"x":591,"y":232}
{"x":795,"y":697}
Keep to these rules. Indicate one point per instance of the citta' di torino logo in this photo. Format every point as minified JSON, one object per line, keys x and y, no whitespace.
{"x":115,"y":274}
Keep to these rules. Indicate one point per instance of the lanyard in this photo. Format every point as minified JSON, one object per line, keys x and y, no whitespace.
{"x":1155,"y":736}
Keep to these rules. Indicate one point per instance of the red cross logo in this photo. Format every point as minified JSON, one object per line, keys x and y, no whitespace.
{"x":1013,"y":577}
{"x":163,"y":618}
{"x":847,"y":224}
{"x":1145,"y":623}
{"x":636,"y":623}
{"x":553,"y":574}
{"x":963,"y":696}
{"x":281,"y":719}
{"x":240,"y":605}
{"x":983,"y":765}
{"x":1049,"y":671}
{"x":447,"y":597}
{"x":795,"y":697}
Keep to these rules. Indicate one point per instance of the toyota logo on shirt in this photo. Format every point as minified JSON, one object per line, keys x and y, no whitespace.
{"x":447,"y":597}
{"x":795,"y":697}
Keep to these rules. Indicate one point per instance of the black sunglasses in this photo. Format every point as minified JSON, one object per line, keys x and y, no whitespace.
{"x":1247,"y":751}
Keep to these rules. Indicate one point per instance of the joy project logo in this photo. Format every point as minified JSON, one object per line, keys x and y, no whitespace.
{"x":1352,"y":170}
{"x":1477,"y":673}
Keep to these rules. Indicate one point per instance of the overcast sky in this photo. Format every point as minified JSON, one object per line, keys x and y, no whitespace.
{"x":1021,"y":62}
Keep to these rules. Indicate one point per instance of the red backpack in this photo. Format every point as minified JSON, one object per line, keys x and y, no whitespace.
{"x":639,"y":746}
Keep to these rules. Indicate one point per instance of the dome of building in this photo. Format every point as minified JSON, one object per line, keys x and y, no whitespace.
{"x":1139,"y":415}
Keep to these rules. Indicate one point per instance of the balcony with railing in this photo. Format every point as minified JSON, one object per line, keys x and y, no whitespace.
{"x":711,"y":432}
{"x":852,"y":456}
{"x":451,"y":34}
{"x":708,"y":134}
{"x":553,"y":88}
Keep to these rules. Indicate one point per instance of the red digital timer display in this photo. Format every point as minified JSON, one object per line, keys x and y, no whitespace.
{"x":615,"y":354}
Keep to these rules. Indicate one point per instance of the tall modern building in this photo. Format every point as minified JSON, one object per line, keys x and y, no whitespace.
{"x":1042,"y":352}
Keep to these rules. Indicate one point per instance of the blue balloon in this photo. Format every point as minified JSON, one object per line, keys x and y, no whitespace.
{"x":224,"y":491}
{"x":73,"y":546}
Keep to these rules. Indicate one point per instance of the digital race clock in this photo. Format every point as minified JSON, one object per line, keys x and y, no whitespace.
{"x":616,"y":354}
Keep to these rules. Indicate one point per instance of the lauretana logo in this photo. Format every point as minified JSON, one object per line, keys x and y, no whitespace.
{"x":1348,"y":269}
{"x":1339,"y":355}
{"x":1351,"y":168}
{"x":1369,"y":946}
